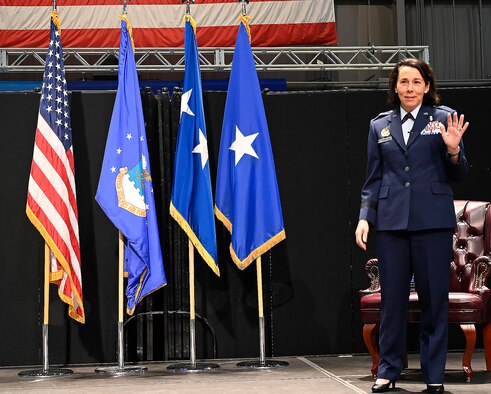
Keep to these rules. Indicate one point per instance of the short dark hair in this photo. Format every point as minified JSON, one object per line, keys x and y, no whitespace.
{"x":430,"y":98}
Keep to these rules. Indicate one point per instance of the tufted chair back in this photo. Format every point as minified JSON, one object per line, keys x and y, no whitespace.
{"x":472,"y":239}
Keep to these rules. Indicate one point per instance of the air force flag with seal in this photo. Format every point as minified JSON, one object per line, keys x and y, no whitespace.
{"x":125,"y":190}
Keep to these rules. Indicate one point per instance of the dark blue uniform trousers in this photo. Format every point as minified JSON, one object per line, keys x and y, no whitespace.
{"x":427,"y":254}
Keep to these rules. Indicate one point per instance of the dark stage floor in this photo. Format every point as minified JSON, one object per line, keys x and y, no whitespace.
{"x":308,"y":374}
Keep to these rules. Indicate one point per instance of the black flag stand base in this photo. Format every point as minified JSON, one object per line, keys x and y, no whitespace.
{"x":193,"y":367}
{"x":120,"y":371}
{"x":266,"y":364}
{"x":46,"y":372}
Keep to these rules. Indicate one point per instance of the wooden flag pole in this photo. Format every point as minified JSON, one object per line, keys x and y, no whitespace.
{"x":46,"y":371}
{"x":47,"y":263}
{"x":192,"y":311}
{"x":121,"y":369}
{"x":192,"y":365}
{"x":263,"y":363}
{"x":262,"y":342}
{"x":120,"y":300}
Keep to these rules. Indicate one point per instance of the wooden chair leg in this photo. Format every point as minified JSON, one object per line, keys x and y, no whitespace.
{"x":486,"y":333}
{"x":470,"y":342}
{"x":370,"y":332}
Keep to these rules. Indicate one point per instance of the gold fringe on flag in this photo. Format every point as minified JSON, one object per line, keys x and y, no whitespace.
{"x":137,"y":293}
{"x":130,"y":29}
{"x":246,"y":19}
{"x":56,"y":20}
{"x":189,"y":18}
{"x":194,"y":239}
{"x":54,"y":278}
{"x":259,"y":251}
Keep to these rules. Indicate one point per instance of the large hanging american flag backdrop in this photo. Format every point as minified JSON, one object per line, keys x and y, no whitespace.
{"x":51,"y":198}
{"x":158,"y":23}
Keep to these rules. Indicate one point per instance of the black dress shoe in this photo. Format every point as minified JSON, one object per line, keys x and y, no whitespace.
{"x":384,"y":387}
{"x":434,"y":389}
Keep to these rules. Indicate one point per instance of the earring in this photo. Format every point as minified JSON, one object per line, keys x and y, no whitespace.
{"x":395,"y":91}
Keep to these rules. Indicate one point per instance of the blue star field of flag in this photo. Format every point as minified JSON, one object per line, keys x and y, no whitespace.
{"x":54,"y":95}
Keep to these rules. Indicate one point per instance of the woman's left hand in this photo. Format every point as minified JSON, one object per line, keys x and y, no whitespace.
{"x":455,"y":129}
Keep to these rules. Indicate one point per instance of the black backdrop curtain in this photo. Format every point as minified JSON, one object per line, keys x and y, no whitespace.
{"x":311,"y":280}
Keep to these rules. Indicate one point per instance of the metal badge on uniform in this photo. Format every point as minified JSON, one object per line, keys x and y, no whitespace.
{"x":386,"y":137}
{"x":433,"y":127}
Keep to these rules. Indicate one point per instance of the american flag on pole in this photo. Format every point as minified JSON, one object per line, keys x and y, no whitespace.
{"x":157,"y":23}
{"x":51,"y":198}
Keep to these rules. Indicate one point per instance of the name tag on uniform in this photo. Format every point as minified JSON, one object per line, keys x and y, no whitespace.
{"x":385,"y":139}
{"x":433,"y":127}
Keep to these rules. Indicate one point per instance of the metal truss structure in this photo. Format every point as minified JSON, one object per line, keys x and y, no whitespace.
{"x":85,"y":60}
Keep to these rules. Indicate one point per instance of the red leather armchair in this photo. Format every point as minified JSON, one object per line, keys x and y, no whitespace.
{"x":469,"y":297}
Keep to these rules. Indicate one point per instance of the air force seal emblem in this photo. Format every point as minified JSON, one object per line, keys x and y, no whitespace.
{"x":130,"y":188}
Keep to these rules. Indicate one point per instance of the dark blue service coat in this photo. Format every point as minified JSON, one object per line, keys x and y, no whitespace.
{"x":407,"y":185}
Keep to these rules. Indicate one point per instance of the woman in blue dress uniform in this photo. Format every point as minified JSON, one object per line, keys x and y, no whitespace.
{"x":413,"y":151}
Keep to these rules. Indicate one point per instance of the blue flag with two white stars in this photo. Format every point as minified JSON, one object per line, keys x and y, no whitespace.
{"x":191,"y":200}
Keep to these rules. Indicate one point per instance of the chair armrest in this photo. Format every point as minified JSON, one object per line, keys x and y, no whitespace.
{"x":480,"y":272}
{"x":371,"y":269}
